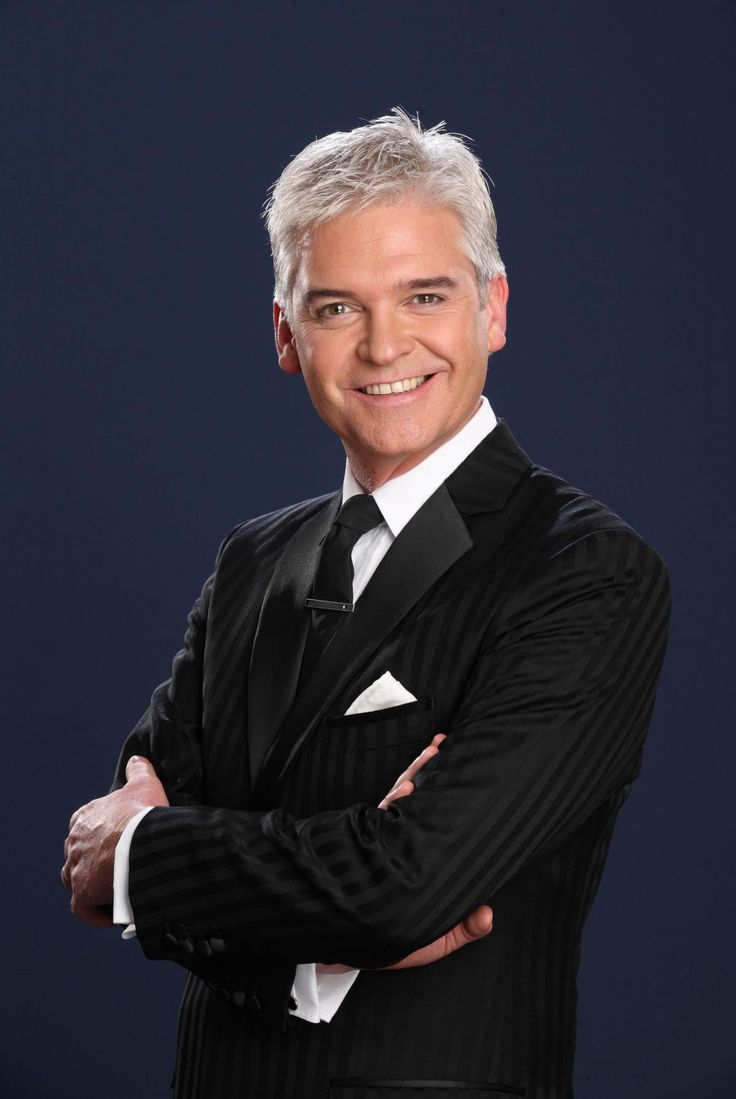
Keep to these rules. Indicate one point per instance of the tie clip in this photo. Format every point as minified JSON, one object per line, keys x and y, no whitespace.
{"x":328,"y":605}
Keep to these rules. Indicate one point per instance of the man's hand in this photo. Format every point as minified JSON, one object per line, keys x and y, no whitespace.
{"x":94,"y":831}
{"x":475,"y":926}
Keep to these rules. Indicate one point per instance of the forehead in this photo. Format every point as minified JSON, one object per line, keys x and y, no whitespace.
{"x":393,"y":240}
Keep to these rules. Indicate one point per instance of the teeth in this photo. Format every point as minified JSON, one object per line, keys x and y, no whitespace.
{"x":394,"y":387}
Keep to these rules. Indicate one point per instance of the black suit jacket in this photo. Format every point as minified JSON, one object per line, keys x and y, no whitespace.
{"x":530,"y":623}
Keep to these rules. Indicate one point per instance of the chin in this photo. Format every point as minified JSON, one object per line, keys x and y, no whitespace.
{"x":400,"y":448}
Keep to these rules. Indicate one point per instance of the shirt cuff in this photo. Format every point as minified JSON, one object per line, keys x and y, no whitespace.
{"x":318,"y":996}
{"x":121,"y":909}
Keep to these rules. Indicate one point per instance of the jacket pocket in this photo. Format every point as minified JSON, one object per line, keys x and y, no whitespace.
{"x":356,"y":760}
{"x":380,"y":729}
{"x":420,"y":1089}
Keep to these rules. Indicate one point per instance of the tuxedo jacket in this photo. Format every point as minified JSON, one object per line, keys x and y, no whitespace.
{"x":530,"y":622}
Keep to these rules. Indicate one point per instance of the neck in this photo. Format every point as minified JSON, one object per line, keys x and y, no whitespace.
{"x":371,"y":470}
{"x":370,"y":475}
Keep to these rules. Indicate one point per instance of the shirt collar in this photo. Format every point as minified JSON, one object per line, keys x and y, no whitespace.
{"x":400,"y":498}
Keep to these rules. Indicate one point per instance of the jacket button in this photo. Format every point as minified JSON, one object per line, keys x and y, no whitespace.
{"x":171,"y":940}
{"x":237,"y":997}
{"x":218,"y":945}
{"x":186,"y":945}
{"x":204,"y":947}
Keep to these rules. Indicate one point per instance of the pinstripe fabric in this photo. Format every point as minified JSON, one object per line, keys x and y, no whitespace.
{"x":537,"y":650}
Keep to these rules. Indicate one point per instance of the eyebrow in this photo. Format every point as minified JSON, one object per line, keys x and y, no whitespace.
{"x":439,"y":282}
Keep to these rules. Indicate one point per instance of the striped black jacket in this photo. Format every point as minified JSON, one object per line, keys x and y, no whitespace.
{"x":529,"y":622}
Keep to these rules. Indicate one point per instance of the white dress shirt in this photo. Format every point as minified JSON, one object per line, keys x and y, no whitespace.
{"x":318,"y":996}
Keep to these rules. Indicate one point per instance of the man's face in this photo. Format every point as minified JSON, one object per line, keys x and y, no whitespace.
{"x":385,"y":297}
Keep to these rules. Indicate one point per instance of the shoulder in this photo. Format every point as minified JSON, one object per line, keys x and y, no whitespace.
{"x":572,"y":529}
{"x":531,"y":511}
{"x":273,"y":528}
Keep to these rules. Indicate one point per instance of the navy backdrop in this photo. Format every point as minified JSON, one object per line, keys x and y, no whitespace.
{"x":144,"y":415}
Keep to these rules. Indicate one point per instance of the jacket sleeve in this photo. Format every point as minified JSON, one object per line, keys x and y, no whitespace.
{"x":169,"y":732}
{"x":552,"y":723}
{"x":169,"y":735}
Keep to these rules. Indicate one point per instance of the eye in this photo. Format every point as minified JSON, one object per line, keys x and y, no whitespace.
{"x":334,"y":309}
{"x":426,"y":299}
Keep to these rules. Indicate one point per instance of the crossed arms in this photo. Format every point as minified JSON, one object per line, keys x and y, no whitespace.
{"x":551,"y":725}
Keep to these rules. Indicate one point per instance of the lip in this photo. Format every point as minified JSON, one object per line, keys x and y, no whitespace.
{"x":396,"y":398}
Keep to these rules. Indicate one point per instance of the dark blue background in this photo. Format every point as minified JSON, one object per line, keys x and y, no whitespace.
{"x":144,"y":415}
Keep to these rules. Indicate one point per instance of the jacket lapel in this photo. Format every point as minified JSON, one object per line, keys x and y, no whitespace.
{"x":281,"y":634}
{"x":485,"y":480}
{"x":426,"y":548}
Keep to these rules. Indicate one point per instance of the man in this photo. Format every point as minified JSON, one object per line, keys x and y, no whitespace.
{"x":454,"y":596}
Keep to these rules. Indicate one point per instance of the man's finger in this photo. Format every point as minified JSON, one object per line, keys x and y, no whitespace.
{"x":473,"y":927}
{"x":404,"y":784}
{"x":416,"y":765}
{"x":401,"y":791}
{"x":138,"y":767}
{"x":478,"y":923}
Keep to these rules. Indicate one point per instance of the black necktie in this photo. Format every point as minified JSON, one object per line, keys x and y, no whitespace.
{"x":332,"y":593}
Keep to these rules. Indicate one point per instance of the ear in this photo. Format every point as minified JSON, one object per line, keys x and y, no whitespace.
{"x":497,"y":296}
{"x":285,"y":349}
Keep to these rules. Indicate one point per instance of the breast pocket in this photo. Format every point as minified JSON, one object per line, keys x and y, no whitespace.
{"x":361,"y":756}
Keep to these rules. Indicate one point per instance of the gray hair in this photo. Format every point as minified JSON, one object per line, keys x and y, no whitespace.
{"x":384,"y":161}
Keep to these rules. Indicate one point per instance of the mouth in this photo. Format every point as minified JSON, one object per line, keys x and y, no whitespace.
{"x":386,"y":389}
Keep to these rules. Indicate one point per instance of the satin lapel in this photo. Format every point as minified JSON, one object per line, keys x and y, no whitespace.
{"x":490,"y":473}
{"x":281,"y":634}
{"x":427,"y":547}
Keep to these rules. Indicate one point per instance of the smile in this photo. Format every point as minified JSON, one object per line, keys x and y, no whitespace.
{"x":384,"y":388}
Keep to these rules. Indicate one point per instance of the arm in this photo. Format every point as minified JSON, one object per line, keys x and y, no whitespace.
{"x":169,"y":732}
{"x":552,"y":724}
{"x":320,"y":990}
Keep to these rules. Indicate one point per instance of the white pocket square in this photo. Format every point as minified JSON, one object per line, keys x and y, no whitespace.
{"x":382,"y":693}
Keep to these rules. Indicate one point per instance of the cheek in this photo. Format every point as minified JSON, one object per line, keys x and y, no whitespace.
{"x":323,"y":393}
{"x":326,"y":361}
{"x":460,"y":340}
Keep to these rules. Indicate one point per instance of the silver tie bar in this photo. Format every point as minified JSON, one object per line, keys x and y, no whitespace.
{"x":328,"y":605}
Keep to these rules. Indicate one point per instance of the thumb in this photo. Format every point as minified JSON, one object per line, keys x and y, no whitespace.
{"x":479,"y":922}
{"x":138,"y":768}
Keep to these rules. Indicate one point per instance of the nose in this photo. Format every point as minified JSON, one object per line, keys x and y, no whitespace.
{"x":384,"y":338}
